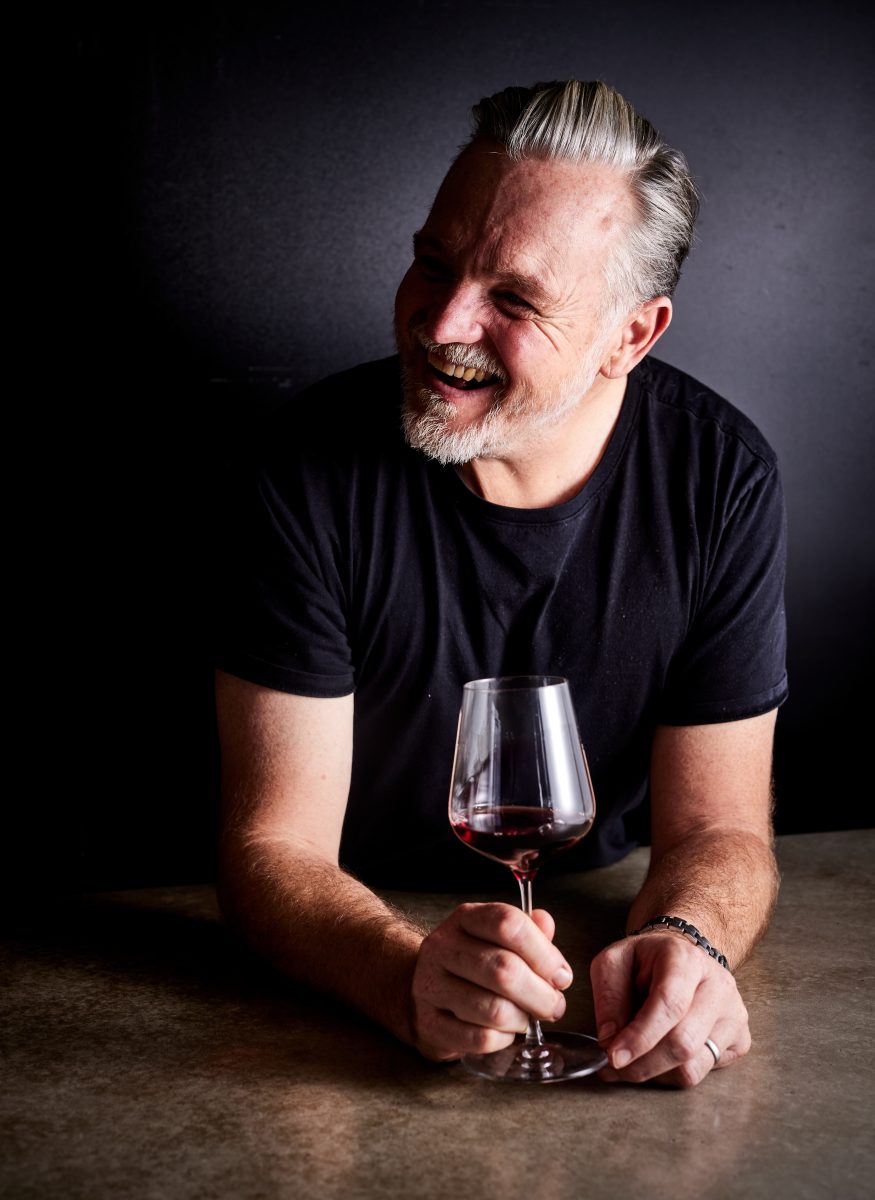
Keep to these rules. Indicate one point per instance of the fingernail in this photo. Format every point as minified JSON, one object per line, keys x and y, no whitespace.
{"x":607,"y":1031}
{"x":620,"y":1058}
{"x":559,"y":1010}
{"x":563,"y":976}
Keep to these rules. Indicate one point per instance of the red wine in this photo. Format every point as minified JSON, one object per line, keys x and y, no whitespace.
{"x":523,"y":838}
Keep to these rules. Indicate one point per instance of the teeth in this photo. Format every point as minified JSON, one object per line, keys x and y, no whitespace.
{"x":455,"y":370}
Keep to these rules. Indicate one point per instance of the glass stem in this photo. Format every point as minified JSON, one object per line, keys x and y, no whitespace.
{"x":534,"y":1037}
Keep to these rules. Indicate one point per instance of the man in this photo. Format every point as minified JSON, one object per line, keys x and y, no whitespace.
{"x":561,"y":504}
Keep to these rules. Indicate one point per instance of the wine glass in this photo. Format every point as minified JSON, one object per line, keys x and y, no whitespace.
{"x":520,"y":793}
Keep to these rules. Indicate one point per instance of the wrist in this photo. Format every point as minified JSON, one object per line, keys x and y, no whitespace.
{"x":395,"y":1008}
{"x":685,"y":929}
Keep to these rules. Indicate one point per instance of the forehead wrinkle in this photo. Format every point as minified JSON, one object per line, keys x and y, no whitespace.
{"x":537,"y":276}
{"x":501,"y":259}
{"x":536,"y":283}
{"x":514,"y":252}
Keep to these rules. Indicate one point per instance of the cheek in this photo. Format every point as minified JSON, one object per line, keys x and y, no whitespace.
{"x":517,"y":347}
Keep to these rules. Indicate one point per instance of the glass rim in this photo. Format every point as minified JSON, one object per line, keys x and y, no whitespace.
{"x":514,"y":683}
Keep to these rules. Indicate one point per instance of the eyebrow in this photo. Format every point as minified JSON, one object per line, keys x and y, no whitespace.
{"x":532,"y":288}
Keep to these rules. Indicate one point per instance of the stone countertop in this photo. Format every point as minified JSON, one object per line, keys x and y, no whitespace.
{"x":146,"y":1054}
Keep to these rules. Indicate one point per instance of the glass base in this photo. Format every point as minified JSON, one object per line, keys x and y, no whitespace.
{"x":561,"y":1056}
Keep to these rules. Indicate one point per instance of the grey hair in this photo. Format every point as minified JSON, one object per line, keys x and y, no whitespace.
{"x":591,"y":122}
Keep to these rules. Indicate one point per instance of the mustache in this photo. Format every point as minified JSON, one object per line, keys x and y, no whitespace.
{"x":461,"y":355}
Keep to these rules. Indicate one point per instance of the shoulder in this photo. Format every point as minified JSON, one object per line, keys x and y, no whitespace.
{"x":681,"y":406}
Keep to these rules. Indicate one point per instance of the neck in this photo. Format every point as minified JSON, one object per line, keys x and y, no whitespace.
{"x":552,"y":463}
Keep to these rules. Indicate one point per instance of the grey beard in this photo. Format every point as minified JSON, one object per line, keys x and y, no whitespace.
{"x":425,"y":413}
{"x":425,"y":426}
{"x":425,"y":429}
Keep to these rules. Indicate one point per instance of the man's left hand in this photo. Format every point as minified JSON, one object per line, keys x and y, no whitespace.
{"x":657,"y":998}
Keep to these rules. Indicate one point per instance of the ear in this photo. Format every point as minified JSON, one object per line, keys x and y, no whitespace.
{"x":637,"y":337}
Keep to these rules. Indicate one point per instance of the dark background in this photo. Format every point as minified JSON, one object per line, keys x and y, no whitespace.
{"x":225,"y":198}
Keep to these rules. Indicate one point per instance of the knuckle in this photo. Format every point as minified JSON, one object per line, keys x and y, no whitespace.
{"x":508,"y":925}
{"x":484,"y":1041}
{"x":608,"y":958}
{"x":599,"y":970}
{"x":422,"y":985}
{"x":673,"y":1004}
{"x":478,"y":1041}
{"x":428,"y":1021}
{"x":430,"y":1040}
{"x":505,"y":970}
{"x":681,"y":1045}
{"x":433,"y":946}
{"x":465,"y":913}
{"x":492,"y":1010}
{"x":607,"y":994}
{"x":607,"y":966}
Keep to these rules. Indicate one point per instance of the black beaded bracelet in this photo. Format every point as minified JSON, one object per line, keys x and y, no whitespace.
{"x":690,"y":930}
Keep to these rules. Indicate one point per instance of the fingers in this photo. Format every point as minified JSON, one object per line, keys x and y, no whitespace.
{"x":509,"y":929}
{"x":486,"y":968}
{"x":479,"y":1006}
{"x":688,"y":998}
{"x":545,"y":923}
{"x":665,"y":1014}
{"x":692,"y":1069}
{"x":444,"y":1037}
{"x":612,"y":988}
{"x":687,"y":1074}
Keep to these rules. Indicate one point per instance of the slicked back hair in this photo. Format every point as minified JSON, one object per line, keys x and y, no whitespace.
{"x":589,"y":122}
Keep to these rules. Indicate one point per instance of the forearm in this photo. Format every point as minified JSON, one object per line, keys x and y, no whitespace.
{"x":725,"y":882}
{"x":321,"y":926}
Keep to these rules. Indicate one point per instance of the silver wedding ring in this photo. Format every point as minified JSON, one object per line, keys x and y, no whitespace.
{"x":715,"y":1050}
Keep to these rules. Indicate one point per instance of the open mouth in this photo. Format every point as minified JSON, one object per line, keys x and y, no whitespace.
{"x":464,"y":378}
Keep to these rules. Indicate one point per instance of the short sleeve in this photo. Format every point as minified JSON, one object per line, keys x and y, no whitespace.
{"x":732,"y":664}
{"x":281,"y":613}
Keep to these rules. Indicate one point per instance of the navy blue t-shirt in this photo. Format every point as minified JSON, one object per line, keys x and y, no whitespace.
{"x":364,"y":567}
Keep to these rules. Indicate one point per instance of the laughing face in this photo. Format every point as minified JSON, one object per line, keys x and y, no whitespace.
{"x":499,"y":320}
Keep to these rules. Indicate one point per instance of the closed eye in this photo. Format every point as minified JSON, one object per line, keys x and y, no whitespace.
{"x":431,"y":267}
{"x":512,"y":300}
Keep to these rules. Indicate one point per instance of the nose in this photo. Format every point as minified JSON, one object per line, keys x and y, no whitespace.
{"x":456,"y":316}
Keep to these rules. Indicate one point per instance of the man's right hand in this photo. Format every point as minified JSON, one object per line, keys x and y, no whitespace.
{"x":479,"y":975}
